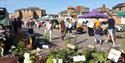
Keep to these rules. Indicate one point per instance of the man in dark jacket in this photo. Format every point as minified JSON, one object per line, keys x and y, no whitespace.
{"x":19,"y":24}
{"x":111,"y":29}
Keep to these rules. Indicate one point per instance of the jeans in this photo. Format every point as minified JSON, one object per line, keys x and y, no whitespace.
{"x":97,"y":39}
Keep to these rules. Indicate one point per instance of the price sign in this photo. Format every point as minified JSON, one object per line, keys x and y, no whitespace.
{"x":57,"y":61}
{"x":45,"y":46}
{"x":71,"y":46}
{"x":114,"y":55}
{"x":79,"y":58}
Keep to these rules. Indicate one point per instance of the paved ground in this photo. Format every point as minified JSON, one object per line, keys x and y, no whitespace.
{"x":83,"y":40}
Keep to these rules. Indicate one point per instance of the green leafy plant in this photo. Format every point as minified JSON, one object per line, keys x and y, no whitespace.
{"x":65,"y":54}
{"x":99,"y":56}
{"x":32,"y":58}
{"x":92,"y":55}
{"x":46,"y":37}
{"x":49,"y":60}
{"x":123,"y":43}
{"x":21,"y":48}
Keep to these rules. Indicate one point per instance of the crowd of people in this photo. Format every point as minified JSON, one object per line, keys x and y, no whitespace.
{"x":66,"y":27}
{"x":110,"y":28}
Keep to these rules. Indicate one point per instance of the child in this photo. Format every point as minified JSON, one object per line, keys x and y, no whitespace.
{"x":98,"y":35}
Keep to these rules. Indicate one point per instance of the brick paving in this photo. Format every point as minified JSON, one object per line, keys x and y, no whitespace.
{"x":83,"y":40}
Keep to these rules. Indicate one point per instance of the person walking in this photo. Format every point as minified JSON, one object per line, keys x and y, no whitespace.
{"x":19,"y":23}
{"x":48,"y":29}
{"x":14,"y":25}
{"x":69,"y":27}
{"x":97,"y":31}
{"x":63,"y":28}
{"x":111,"y":30}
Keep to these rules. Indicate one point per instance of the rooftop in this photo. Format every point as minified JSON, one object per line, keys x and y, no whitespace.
{"x":119,"y":5}
{"x":29,"y":8}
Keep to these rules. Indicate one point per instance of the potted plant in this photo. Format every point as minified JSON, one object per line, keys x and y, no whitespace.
{"x":20,"y":50}
{"x":93,"y":56}
{"x":123,"y":47}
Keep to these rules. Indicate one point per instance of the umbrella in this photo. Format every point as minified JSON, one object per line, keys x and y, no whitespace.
{"x":47,"y":17}
{"x":122,"y":13}
{"x":94,"y":14}
{"x":40,"y":19}
{"x":44,"y":18}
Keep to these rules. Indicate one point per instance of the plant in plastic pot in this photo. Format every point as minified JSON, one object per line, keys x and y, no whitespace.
{"x":93,"y":56}
{"x":46,"y":37}
{"x":123,"y":47}
{"x":99,"y":57}
{"x":20,"y":50}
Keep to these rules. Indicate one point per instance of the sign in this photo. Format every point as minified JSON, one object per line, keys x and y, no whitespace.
{"x":114,"y":55}
{"x":79,"y":58}
{"x":71,"y":46}
{"x":45,"y":46}
{"x":27,"y":58}
{"x":60,"y":61}
{"x":54,"y":60}
{"x":57,"y":60}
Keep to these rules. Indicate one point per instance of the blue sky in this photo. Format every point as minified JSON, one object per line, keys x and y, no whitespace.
{"x":55,"y":6}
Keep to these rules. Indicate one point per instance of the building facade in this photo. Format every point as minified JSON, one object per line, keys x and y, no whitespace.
{"x":74,"y":11}
{"x":118,"y":8}
{"x":104,"y":9}
{"x":31,"y":12}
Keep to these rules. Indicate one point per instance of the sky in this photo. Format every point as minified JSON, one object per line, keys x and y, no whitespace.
{"x":55,"y":6}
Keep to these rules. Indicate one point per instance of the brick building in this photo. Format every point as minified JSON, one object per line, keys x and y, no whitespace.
{"x":118,"y":8}
{"x":31,"y":12}
{"x":74,"y":11}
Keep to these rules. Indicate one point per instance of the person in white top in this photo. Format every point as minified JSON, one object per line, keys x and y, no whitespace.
{"x":48,"y":28}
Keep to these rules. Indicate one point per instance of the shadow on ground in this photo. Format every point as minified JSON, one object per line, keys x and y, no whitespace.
{"x":39,"y":41}
{"x":81,"y":41}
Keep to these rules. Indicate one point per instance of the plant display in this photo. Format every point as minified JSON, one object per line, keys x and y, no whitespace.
{"x":46,"y":37}
{"x":99,"y":56}
{"x":21,"y":49}
{"x":49,"y":60}
{"x":65,"y":54}
{"x":32,"y":58}
{"x":92,"y":55}
{"x":123,"y":44}
{"x":1,"y":49}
